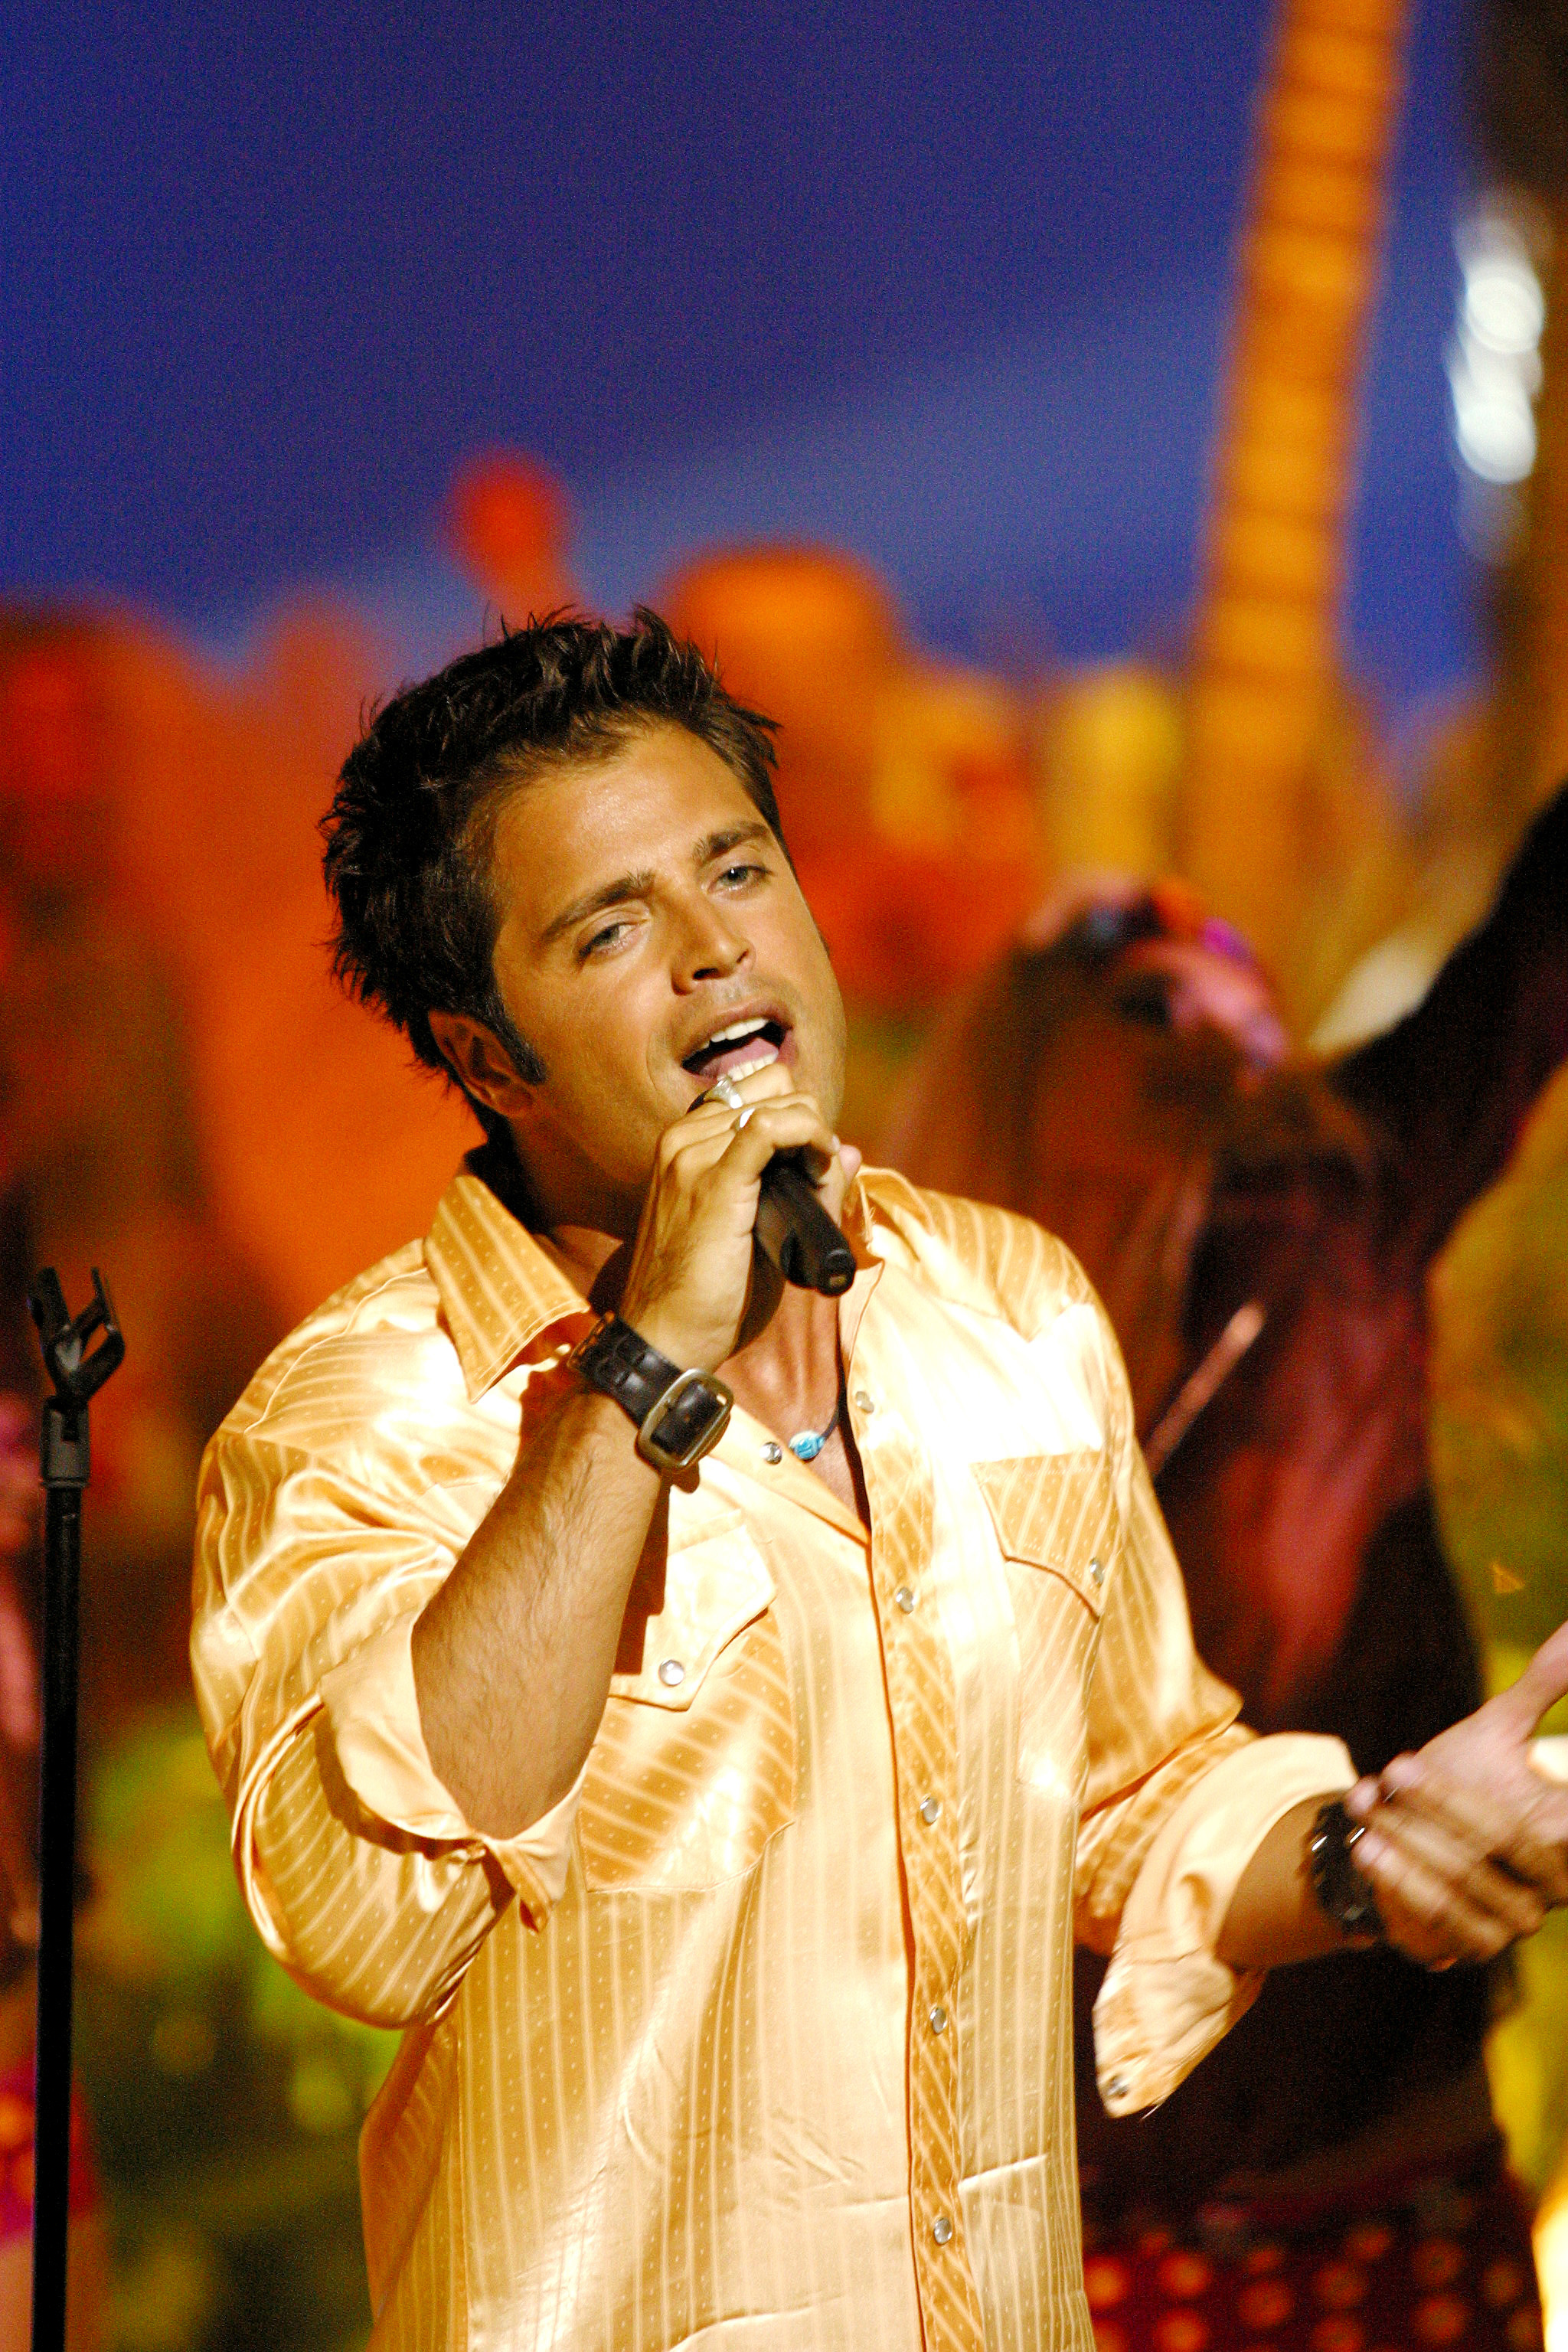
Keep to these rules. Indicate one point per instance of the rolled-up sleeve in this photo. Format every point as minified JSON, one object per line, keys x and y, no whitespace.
{"x":1167,"y":1998}
{"x":372,"y":1708}
{"x":357,"y":1865}
{"x":1178,"y":1798}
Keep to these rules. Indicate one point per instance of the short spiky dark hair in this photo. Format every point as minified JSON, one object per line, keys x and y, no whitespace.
{"x":409,"y":830}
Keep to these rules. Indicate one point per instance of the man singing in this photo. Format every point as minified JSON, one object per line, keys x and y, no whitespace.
{"x":702,"y":1712}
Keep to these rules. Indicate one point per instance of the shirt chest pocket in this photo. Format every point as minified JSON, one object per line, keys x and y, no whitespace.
{"x":693,"y":1770}
{"x":1056,"y":1521}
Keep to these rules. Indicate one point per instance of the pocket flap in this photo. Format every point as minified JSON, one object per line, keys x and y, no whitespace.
{"x":715,"y":1585}
{"x":1056,"y":1511}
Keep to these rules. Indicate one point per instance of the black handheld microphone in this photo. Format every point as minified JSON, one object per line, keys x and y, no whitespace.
{"x":795,"y":1231}
{"x":793,"y":1227}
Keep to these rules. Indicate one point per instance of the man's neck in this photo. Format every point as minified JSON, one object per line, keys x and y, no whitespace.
{"x":790,"y":1376}
{"x":595,"y":1261}
{"x":785,"y":1369}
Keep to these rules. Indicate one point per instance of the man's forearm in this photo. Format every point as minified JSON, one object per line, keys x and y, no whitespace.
{"x":1458,"y":1872}
{"x":512,"y":1658}
{"x":1274,"y":1916}
{"x":1449,"y":1913}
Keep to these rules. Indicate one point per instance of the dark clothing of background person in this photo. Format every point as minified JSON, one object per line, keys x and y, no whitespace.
{"x":1299,"y":1499}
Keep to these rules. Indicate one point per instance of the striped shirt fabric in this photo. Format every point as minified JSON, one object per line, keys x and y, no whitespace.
{"x":761,"y":2038}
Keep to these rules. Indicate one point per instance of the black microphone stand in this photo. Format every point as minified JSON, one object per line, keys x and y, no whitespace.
{"x":76,"y":1377}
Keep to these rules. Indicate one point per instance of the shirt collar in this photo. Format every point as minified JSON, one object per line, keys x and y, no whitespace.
{"x":857,"y":1219}
{"x":499,"y":1290}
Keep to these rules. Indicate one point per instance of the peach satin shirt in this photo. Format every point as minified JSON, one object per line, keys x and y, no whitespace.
{"x":762,"y":2039}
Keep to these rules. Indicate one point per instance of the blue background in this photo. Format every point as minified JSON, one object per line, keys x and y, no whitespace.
{"x":946,"y":285}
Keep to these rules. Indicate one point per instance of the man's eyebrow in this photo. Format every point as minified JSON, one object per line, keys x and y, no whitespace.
{"x":710,"y":847}
{"x":609,"y":894}
{"x":634,"y":886}
{"x":732,"y":836}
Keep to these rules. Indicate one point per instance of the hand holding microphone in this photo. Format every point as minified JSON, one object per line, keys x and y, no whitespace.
{"x":792,"y":1229}
{"x":734,"y":1175}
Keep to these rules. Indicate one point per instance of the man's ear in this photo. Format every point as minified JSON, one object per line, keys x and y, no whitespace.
{"x":476,"y":1057}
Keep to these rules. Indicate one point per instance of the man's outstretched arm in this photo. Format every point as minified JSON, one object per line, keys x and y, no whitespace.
{"x":1474,"y":1798}
{"x":1192,"y":1870}
{"x":1465,"y":1844}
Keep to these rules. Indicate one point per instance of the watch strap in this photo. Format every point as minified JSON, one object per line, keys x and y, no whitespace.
{"x":679,"y":1415}
{"x":1343,"y":1893}
{"x":619,"y":1360}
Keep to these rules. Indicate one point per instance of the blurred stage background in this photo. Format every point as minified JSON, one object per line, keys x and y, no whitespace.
{"x":1122,"y":437}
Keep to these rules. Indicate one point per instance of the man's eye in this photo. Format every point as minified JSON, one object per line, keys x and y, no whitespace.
{"x":608,"y":936}
{"x":735,"y":876}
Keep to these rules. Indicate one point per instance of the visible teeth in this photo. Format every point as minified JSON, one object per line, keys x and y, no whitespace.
{"x":738,"y":1029}
{"x":744,"y":1069}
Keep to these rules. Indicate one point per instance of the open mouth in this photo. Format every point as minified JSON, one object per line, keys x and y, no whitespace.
{"x":732,"y":1052}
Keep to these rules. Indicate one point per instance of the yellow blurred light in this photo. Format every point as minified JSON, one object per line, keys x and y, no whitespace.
{"x":1552,"y":2267}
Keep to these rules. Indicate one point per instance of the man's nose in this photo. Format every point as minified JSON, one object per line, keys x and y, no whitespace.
{"x":709,"y":945}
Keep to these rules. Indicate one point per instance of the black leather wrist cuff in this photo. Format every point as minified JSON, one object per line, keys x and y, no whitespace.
{"x":619,"y":1360}
{"x":1343,"y":1893}
{"x":679,"y":1414}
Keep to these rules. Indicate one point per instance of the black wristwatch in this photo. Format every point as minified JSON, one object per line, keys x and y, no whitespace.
{"x":1341,"y":1891}
{"x":679,"y":1415}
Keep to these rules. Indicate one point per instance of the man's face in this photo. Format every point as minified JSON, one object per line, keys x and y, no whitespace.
{"x":646,"y":908}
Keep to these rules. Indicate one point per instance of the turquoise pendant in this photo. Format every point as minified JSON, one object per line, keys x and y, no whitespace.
{"x":808,"y":1445}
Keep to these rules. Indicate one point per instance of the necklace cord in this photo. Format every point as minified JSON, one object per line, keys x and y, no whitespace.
{"x":808,"y":1443}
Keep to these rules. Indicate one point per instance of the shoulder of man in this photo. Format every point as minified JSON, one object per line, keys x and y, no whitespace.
{"x":973,"y":1254}
{"x":365,"y":1335}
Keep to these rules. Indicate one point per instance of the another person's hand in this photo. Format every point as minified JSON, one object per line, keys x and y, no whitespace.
{"x":1466,"y":1841}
